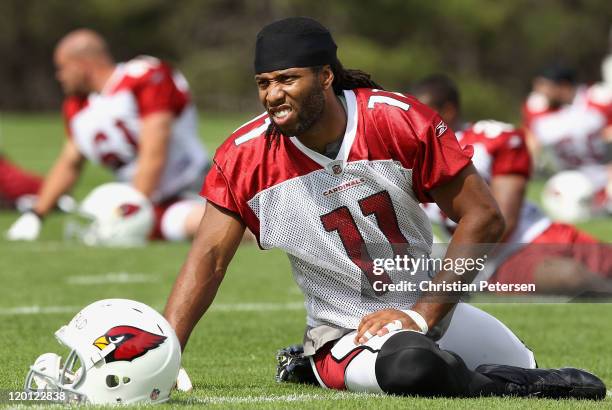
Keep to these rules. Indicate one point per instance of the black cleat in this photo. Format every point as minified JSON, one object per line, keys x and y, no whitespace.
{"x":562,"y":383}
{"x":294,"y":367}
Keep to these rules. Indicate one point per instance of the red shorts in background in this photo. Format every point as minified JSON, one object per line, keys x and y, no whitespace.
{"x":16,"y":182}
{"x":159,"y":210}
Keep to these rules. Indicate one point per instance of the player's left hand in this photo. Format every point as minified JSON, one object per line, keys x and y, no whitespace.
{"x":26,"y":228}
{"x":382,"y":322}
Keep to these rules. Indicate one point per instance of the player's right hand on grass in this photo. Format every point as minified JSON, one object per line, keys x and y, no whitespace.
{"x":25,"y":228}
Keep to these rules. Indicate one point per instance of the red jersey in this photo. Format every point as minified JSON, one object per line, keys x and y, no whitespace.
{"x":499,"y":149}
{"x":323,"y":211}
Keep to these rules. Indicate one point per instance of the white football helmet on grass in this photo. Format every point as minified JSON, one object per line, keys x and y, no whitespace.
{"x":113,"y":214}
{"x":121,"y":352}
{"x":569,"y":197}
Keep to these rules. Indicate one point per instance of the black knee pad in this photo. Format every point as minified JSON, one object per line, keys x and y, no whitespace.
{"x":410,"y":363}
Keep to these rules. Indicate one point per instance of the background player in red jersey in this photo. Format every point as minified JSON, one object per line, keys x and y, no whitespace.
{"x":325,"y":128}
{"x":134,"y":118}
{"x":560,"y":258}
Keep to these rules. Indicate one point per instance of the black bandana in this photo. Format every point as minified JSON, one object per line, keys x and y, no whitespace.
{"x":293,"y":42}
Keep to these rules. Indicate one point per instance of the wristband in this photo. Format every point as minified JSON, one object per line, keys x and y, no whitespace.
{"x":418,"y":319}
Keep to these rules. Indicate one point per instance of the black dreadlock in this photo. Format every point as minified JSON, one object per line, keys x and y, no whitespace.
{"x":344,"y":79}
{"x":349,"y":79}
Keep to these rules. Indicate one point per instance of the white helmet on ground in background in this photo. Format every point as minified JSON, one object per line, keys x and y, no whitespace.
{"x":569,"y":197}
{"x":114,"y":214}
{"x":121,"y":352}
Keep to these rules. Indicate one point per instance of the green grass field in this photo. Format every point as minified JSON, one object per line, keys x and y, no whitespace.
{"x":230,"y":356}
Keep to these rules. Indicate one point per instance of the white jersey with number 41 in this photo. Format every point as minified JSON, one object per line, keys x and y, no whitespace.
{"x":106,"y":127}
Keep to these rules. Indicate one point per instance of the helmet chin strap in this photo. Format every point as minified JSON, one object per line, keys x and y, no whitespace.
{"x":93,"y":355}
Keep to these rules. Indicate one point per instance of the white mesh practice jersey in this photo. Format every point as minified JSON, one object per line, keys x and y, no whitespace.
{"x":334,"y":216}
{"x":106,"y":126}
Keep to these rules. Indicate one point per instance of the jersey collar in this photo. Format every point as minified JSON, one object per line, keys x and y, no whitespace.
{"x":347,"y":141}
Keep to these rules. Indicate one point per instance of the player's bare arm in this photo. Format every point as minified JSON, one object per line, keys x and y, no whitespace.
{"x":607,"y":134}
{"x":195,"y":288}
{"x":466,"y":199}
{"x":509,"y":192}
{"x":534,"y":146}
{"x":60,"y":179}
{"x":63,"y":175}
{"x":153,"y":149}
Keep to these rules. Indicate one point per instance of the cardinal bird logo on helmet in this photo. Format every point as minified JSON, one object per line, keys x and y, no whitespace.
{"x":130,"y":342}
{"x":126,"y":210}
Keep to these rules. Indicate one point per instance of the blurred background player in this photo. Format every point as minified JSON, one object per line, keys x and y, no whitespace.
{"x":134,"y":118}
{"x":16,"y":183}
{"x":564,"y":260}
{"x":569,"y":127}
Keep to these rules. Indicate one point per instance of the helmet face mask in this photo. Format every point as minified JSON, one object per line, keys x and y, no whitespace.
{"x":121,"y":351}
{"x":113,"y":214}
{"x":80,"y":227}
{"x":48,"y":374}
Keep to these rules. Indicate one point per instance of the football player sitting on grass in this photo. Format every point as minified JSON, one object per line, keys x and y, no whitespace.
{"x":334,"y":164}
{"x":138,"y":120}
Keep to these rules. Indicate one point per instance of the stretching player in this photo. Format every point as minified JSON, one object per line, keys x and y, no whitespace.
{"x":333,"y":164}
{"x":572,"y":123}
{"x":134,"y":118}
{"x":560,"y":259}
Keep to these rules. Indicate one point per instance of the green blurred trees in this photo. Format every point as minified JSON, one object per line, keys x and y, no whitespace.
{"x":492,"y":48}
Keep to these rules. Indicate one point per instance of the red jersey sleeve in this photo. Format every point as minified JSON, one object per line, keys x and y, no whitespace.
{"x":417,"y":137}
{"x":216,"y":189}
{"x":71,"y":106}
{"x":236,"y":176}
{"x":512,"y":157}
{"x":440,"y":158}
{"x":157,"y":90}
